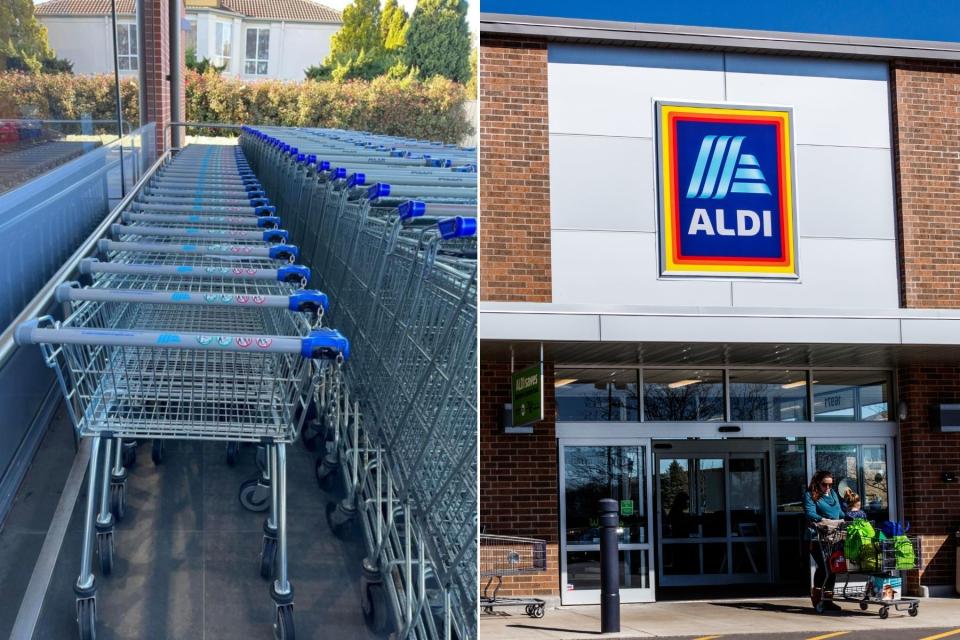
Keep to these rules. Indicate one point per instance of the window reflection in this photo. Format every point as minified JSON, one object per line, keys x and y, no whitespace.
{"x":773,"y":396}
{"x":682,"y":394}
{"x":843,"y":396}
{"x":597,"y":395}
{"x":592,"y":473}
{"x":861,"y":469}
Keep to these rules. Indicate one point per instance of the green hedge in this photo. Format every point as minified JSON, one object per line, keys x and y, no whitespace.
{"x":431,"y":109}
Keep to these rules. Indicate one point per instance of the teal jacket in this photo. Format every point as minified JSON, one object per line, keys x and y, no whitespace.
{"x":828,"y":506}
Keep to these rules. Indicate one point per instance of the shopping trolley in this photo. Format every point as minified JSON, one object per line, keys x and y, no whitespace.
{"x":503,"y":556}
{"x":878,"y":571}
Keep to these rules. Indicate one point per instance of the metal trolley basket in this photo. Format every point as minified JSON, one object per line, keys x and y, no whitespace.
{"x":510,"y":556}
{"x":880,"y":562}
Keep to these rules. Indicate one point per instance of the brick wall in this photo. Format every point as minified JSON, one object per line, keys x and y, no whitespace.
{"x":518,"y":477}
{"x":515,"y":189}
{"x":926,"y":118}
{"x":931,"y":505}
{"x":156,"y":43}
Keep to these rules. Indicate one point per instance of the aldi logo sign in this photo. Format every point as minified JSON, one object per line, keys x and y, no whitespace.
{"x":726,"y":191}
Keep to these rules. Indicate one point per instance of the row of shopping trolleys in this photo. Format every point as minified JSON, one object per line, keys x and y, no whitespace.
{"x":193,"y":323}
{"x":392,"y":229}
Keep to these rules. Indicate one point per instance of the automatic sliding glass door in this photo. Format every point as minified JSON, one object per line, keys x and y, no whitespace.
{"x":713,"y":518}
{"x":589,"y":472}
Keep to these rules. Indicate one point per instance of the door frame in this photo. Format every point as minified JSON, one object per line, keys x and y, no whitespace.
{"x":727,"y":450}
{"x":592,"y":596}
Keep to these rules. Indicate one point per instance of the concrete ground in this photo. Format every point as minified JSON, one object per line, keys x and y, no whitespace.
{"x":186,"y":553}
{"x":786,"y":618}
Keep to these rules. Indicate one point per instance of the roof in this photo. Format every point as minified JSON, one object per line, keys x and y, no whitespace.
{"x":291,"y":10}
{"x":83,"y":8}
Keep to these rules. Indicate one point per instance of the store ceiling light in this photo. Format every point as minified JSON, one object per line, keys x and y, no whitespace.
{"x":794,"y":385}
{"x":682,"y":383}
{"x":564,"y":382}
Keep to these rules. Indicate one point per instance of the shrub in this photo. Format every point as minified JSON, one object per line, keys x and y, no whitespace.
{"x":404,"y":106}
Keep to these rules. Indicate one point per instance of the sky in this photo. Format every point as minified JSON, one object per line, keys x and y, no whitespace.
{"x":937,"y":20}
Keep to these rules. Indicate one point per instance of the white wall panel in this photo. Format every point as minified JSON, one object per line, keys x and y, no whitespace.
{"x":834,"y":273}
{"x":602,"y":267}
{"x":845,"y":192}
{"x":835,"y":102}
{"x":599,"y":182}
{"x":609,"y":91}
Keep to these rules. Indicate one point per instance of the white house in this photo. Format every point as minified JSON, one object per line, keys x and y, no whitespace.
{"x":255,"y":39}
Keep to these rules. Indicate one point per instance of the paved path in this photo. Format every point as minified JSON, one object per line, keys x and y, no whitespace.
{"x":787,"y":618}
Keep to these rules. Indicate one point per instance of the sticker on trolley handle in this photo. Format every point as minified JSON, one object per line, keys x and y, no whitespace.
{"x":259,"y":299}
{"x":180,"y":297}
{"x":204,"y":340}
{"x":186,"y":269}
{"x":264,"y":343}
{"x":243,"y":299}
{"x":224,"y":341}
{"x":243,"y":342}
{"x":168,"y":338}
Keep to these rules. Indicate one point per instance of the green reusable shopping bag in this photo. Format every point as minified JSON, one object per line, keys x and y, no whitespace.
{"x":859,"y":545}
{"x":904,"y":553}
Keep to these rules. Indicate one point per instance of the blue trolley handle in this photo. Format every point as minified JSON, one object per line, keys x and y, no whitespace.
{"x":287,"y":252}
{"x":307,"y":301}
{"x":292,"y":273}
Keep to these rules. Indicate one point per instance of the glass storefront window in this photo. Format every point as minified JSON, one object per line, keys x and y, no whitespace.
{"x":598,"y":395}
{"x":848,"y":396}
{"x":792,"y":478}
{"x":592,"y":473}
{"x":768,"y":395}
{"x":682,"y":394}
{"x":859,"y":468}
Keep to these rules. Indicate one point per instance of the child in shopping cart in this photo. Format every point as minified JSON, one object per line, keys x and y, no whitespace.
{"x":853,"y":509}
{"x":821,"y":505}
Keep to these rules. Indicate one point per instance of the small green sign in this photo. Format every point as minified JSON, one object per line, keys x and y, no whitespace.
{"x":527,"y":395}
{"x":626,"y":507}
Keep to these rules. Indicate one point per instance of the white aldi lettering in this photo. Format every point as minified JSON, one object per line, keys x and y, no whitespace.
{"x":748,"y":223}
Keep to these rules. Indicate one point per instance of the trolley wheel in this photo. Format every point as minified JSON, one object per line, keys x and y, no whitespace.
{"x":310,"y":435}
{"x":537,"y":611}
{"x":268,"y":556}
{"x":87,"y":618}
{"x":913,"y":611}
{"x":255,"y":496}
{"x":233,"y":451}
{"x":283,"y":627}
{"x":339,"y":520}
{"x":884,"y":612}
{"x":118,"y":499}
{"x":105,"y":552}
{"x":325,"y":473}
{"x":156,"y":452}
{"x":373,"y":602}
{"x":863,"y":605}
{"x":129,"y":454}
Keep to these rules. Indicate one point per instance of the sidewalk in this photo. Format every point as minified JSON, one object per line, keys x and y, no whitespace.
{"x":713,"y":618}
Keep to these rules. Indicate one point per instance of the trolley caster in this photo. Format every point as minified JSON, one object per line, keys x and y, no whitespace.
{"x":863,"y":605}
{"x":261,"y":459}
{"x":118,"y":499}
{"x":233,"y":452}
{"x":534,"y":610}
{"x":129,"y":453}
{"x":255,"y":495}
{"x":373,"y":603}
{"x":325,"y":472}
{"x":310,"y":435}
{"x":913,"y":611}
{"x":105,"y":552}
{"x":268,"y":556}
{"x":283,"y":627}
{"x":339,"y":517}
{"x":884,"y":612}
{"x":87,"y":618}
{"x":156,"y":452}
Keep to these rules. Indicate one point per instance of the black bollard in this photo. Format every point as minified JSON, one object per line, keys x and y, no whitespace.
{"x":609,"y":567}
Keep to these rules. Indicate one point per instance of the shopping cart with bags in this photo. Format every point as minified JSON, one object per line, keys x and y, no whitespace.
{"x":503,"y":556}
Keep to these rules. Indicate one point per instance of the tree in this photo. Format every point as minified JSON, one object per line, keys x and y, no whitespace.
{"x":23,"y":40}
{"x":360,"y":34}
{"x":394,"y":23}
{"x":438,"y":39}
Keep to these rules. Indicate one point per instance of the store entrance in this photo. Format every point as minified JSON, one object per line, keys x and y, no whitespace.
{"x":712,"y":506}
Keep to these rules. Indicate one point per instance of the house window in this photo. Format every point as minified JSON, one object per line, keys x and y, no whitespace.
{"x":192,"y":34}
{"x":127,"y":49}
{"x":224,"y":42}
{"x":258,"y":52}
